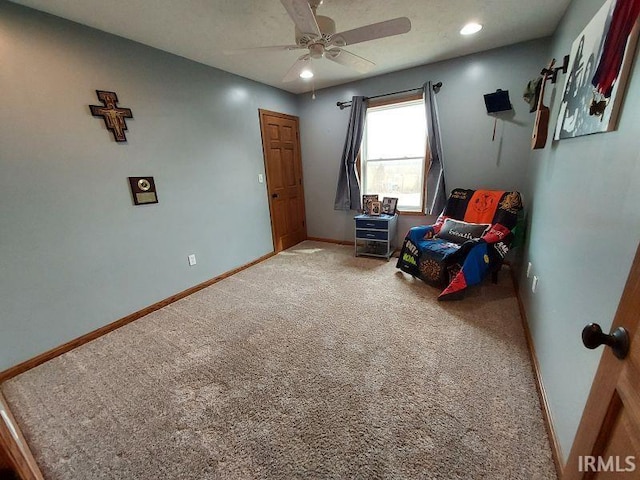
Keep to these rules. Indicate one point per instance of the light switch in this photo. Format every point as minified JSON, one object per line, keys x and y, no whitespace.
{"x":534,"y":284}
{"x":192,"y":260}
{"x":260,"y":178}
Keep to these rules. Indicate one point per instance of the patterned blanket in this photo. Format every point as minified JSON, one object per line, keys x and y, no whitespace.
{"x":456,"y":265}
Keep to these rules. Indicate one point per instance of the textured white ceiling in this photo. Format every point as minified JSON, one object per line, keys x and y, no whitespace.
{"x":202,"y":29}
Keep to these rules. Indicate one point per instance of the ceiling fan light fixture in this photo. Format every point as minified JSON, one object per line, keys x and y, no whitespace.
{"x":306,"y":73}
{"x":471,"y":28}
{"x":316,"y":50}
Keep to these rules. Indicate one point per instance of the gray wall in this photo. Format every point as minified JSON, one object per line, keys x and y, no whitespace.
{"x":583,"y":235}
{"x":472,"y":160}
{"x":75,"y":254}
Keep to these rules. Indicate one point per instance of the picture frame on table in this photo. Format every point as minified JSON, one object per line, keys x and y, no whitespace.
{"x":367,"y":200}
{"x":389,"y":205}
{"x":376,"y":208}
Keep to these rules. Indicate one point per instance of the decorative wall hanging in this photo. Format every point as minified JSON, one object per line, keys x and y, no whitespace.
{"x":498,"y":101}
{"x":495,"y":104}
{"x":113,"y":116}
{"x":143,"y":190}
{"x":599,"y":66}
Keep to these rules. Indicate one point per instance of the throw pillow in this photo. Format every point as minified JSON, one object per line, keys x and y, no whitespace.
{"x":457,"y":231}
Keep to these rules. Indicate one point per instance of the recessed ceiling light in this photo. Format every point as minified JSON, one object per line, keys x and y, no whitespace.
{"x":470,"y":28}
{"x":306,"y":73}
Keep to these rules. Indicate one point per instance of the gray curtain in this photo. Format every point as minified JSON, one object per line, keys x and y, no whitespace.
{"x":436,"y":189}
{"x":348,"y":191}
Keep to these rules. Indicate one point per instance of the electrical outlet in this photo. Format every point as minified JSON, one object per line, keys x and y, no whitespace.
{"x":534,"y":284}
{"x":529,"y":265}
{"x":192,"y":259}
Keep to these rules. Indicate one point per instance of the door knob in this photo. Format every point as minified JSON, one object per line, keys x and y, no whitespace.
{"x":274,"y":195}
{"x":618,"y":340}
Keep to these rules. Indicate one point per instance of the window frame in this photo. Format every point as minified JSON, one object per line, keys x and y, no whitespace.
{"x":412,"y":97}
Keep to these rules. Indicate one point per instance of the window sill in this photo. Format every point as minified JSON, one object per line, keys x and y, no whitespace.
{"x":409,"y":213}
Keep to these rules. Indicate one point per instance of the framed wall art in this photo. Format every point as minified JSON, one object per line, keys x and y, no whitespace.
{"x":599,"y":67}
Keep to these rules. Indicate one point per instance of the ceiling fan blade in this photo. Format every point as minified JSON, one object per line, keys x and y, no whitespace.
{"x":274,"y":48}
{"x":294,"y":72}
{"x":302,"y":15}
{"x":387,"y":28}
{"x":350,"y":60}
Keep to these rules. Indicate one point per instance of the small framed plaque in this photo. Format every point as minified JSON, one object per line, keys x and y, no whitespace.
{"x":143,"y":190}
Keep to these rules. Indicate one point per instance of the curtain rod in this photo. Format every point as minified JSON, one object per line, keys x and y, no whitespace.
{"x":436,"y":88}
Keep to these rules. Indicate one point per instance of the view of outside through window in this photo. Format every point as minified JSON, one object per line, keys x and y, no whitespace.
{"x":393,"y":153}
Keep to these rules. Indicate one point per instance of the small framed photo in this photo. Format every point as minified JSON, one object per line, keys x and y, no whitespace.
{"x":367,"y":200}
{"x":389,"y":205}
{"x":375,"y":209}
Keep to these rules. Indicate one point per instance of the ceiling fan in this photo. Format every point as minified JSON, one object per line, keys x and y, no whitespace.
{"x":317,"y":34}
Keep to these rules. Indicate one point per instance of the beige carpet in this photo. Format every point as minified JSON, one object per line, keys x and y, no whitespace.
{"x":312,"y":364}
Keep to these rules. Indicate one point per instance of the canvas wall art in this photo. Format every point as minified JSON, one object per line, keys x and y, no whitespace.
{"x":595,"y":83}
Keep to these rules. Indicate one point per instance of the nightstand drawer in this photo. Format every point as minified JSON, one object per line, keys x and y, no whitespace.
{"x":380,"y":224}
{"x":372,"y":234}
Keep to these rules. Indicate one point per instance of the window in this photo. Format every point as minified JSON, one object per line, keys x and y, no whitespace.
{"x":393,"y":152}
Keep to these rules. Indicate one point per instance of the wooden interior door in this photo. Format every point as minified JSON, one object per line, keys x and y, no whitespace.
{"x":283,"y":165}
{"x":607,"y":445}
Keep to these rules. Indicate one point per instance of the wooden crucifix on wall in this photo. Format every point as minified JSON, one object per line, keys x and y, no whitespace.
{"x":113,"y":116}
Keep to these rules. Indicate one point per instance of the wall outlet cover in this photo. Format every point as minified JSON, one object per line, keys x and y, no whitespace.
{"x":192,"y":260}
